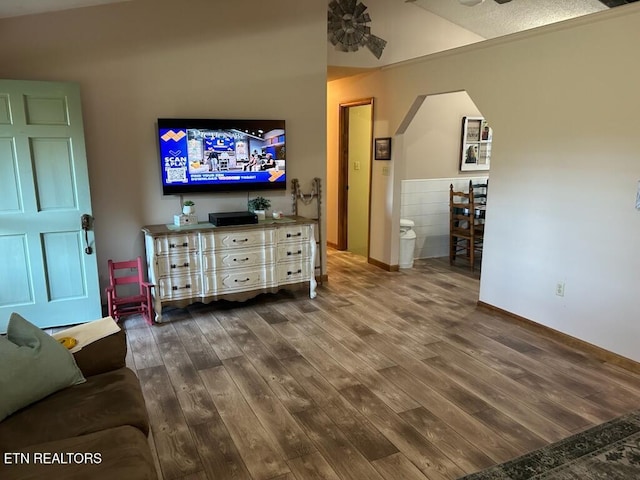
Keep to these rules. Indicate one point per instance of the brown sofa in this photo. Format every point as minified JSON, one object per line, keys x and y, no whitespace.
{"x":97,"y":429}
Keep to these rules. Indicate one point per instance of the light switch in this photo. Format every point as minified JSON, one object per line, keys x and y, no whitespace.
{"x":356,"y":165}
{"x":385,"y":171}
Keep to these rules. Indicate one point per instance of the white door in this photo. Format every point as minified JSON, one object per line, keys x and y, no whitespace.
{"x":46,"y":274}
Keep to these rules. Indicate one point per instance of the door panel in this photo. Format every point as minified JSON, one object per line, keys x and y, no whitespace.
{"x":15,"y":276}
{"x":9,"y":188}
{"x":41,"y":110}
{"x":5,"y":116}
{"x":45,"y":275}
{"x":63,"y":265}
{"x":52,"y":167}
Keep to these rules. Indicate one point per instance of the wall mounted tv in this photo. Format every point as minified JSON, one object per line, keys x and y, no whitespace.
{"x":199,"y":155}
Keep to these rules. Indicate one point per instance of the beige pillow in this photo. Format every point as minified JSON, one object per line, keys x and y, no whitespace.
{"x":33,"y":365}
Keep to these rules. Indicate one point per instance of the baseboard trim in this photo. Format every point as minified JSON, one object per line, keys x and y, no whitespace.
{"x":598,"y":352}
{"x":322,"y":278}
{"x":384,"y":266}
{"x":332,"y":245}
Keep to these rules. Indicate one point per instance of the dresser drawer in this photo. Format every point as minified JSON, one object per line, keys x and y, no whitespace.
{"x":172,"y":265}
{"x":237,"y":257}
{"x":293,"y":272}
{"x":288,"y":252}
{"x":184,"y":286}
{"x":176,"y":244}
{"x":293,"y":232}
{"x":233,"y":279}
{"x":236,"y":239}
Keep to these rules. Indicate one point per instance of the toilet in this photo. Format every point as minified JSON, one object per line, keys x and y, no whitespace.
{"x":407,"y":243}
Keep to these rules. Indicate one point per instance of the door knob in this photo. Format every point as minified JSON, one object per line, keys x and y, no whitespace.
{"x":86,"y":222}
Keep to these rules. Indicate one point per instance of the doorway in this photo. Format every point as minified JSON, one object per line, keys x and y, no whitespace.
{"x":354,"y":176}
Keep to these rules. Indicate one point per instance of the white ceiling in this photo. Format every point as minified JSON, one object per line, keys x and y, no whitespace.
{"x":490,"y":19}
{"x":16,"y":8}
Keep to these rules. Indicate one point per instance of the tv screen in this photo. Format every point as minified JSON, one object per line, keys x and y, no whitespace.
{"x":199,"y":155}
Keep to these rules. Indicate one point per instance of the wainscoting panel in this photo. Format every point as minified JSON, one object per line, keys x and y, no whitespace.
{"x":426,"y":202}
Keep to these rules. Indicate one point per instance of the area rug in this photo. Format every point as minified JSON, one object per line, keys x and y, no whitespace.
{"x":609,"y":451}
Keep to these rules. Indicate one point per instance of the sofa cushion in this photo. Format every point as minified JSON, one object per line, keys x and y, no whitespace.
{"x":116,"y":453}
{"x":34,"y":365}
{"x":108,"y":353}
{"x":108,"y":400}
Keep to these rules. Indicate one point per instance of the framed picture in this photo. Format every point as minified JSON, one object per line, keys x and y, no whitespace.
{"x":382,"y":148}
{"x":477,"y":136}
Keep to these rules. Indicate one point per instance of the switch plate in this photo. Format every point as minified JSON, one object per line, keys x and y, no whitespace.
{"x":385,"y":171}
{"x":356,"y":165}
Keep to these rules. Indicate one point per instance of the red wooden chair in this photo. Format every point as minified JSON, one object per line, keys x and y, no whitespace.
{"x":123,"y":301}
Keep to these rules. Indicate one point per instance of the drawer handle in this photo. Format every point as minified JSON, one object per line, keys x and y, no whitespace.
{"x":241,"y":281}
{"x":294,"y":273}
{"x":173,"y":245}
{"x":241,"y":259}
{"x":299,"y":252}
{"x":240,"y":240}
{"x":175,"y":287}
{"x":289,"y":235}
{"x":185,"y":264}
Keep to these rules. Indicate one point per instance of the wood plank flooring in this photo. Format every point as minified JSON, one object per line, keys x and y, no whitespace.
{"x":385,"y":375}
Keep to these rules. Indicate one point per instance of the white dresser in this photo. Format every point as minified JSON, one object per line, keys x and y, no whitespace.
{"x":208,"y":263}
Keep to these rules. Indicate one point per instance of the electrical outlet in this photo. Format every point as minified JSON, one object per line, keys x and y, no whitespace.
{"x":356,"y":165}
{"x":560,"y":289}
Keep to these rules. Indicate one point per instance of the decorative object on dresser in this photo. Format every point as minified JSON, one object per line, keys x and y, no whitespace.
{"x":189,"y":207}
{"x":259,"y":206}
{"x":232,"y":262}
{"x":188,"y":216}
{"x":307,"y":199}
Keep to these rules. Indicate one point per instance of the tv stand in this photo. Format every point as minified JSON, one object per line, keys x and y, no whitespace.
{"x":207,"y":263}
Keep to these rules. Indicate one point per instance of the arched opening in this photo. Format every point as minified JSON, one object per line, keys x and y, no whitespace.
{"x":432,"y":159}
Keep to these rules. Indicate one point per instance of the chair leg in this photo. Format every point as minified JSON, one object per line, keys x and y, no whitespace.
{"x":149,"y":312}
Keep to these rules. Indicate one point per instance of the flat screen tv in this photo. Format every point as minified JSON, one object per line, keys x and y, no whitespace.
{"x":216,"y":155}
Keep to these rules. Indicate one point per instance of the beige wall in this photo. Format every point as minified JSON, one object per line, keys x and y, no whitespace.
{"x":432,"y":139}
{"x":563,"y":102}
{"x":138,"y":61}
{"x":343,"y":91}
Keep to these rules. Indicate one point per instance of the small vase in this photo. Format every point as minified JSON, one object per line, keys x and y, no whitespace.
{"x":260,"y":213}
{"x":188,"y":209}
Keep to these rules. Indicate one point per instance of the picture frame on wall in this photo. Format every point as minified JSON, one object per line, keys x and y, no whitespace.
{"x":382,"y":148}
{"x":476,"y":136}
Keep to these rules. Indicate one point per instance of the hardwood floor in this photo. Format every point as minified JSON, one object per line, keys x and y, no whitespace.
{"x":385,"y":375}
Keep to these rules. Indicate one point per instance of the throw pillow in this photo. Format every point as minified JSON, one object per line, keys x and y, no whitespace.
{"x":32,"y":366}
